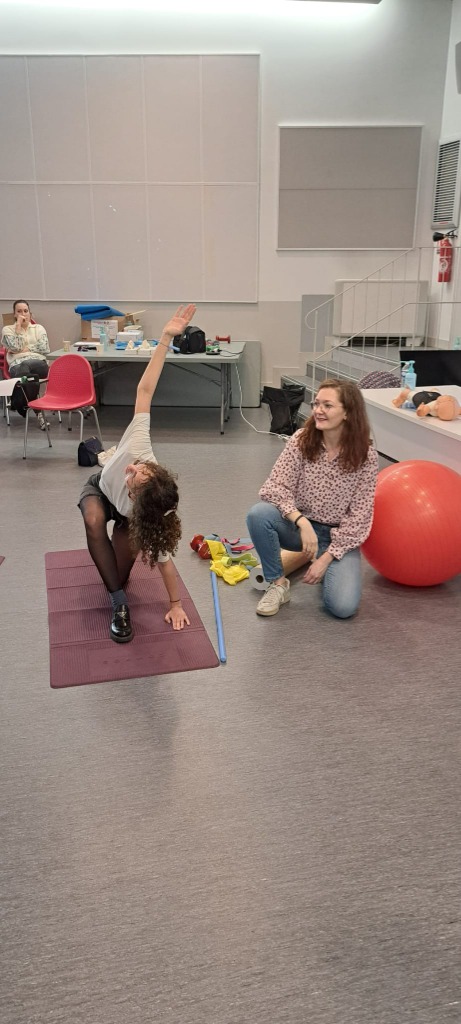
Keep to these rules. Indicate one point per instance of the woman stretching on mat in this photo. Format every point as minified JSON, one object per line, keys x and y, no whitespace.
{"x":317,"y":504}
{"x":141,"y":498}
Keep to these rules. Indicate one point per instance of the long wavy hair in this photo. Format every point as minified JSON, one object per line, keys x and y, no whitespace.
{"x":151,"y":531}
{"x":355,"y":435}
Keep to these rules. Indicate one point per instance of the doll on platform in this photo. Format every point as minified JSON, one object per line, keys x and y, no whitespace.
{"x":430,"y":403}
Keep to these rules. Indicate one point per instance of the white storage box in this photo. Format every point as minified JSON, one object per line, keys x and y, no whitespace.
{"x":133,"y":335}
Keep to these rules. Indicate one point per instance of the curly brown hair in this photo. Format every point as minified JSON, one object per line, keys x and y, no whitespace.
{"x":355,"y":436}
{"x":151,"y":531}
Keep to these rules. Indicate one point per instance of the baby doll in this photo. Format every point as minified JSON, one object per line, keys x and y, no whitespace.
{"x":430,"y":403}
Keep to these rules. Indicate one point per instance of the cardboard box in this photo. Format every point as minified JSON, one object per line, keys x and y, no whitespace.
{"x":90,"y":328}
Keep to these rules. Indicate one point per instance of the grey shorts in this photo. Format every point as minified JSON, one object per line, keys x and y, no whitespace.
{"x":92,"y":488}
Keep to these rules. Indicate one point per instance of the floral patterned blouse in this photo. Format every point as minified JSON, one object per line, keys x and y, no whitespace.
{"x":326,"y":493}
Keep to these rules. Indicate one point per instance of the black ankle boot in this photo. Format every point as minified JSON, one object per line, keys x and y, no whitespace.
{"x":120,"y":627}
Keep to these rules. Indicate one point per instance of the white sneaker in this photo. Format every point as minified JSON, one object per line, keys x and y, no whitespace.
{"x":41,"y":422}
{"x":276,"y":595}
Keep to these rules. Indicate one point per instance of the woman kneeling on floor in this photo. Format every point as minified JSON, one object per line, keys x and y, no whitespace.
{"x":141,"y":498}
{"x":317,"y":504}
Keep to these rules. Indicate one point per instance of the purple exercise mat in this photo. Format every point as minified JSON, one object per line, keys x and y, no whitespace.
{"x":79,"y":615}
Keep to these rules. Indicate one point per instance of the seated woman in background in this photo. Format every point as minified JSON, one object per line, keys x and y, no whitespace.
{"x":318,"y":502}
{"x":26,"y":346}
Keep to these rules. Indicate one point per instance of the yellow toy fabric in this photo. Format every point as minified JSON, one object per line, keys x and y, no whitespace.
{"x":229,"y":573}
{"x":216,"y":549}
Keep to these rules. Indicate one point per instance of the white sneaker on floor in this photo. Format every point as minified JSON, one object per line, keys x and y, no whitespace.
{"x":41,"y":422}
{"x":276,"y":595}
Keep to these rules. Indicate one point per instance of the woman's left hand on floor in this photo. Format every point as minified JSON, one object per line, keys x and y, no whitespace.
{"x":177,"y":616}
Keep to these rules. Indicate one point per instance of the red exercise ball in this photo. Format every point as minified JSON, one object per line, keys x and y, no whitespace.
{"x":416,"y":534}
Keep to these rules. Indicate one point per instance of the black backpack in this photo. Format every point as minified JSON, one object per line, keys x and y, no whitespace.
{"x":284,"y":404}
{"x":26,"y":390}
{"x":88,"y":451}
{"x":191,"y":342}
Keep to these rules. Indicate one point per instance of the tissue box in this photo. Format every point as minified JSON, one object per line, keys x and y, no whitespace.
{"x":90,"y":328}
{"x":128,"y":334}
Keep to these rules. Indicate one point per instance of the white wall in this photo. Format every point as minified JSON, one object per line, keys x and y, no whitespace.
{"x":329,"y":63}
{"x":449,"y":316}
{"x":451,"y":115}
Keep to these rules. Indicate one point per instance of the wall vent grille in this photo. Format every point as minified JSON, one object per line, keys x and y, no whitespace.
{"x":447,"y":186}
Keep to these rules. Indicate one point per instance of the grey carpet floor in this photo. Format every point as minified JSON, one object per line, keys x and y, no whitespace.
{"x":275,"y":840}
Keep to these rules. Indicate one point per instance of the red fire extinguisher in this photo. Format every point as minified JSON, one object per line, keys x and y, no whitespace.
{"x":445,"y":254}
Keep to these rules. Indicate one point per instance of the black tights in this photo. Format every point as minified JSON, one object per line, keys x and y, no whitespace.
{"x":113,"y":558}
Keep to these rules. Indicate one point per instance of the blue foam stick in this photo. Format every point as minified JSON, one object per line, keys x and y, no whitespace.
{"x":217,"y":612}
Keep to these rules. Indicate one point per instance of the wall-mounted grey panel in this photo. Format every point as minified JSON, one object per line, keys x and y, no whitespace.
{"x":348,"y":186}
{"x":58,"y":101}
{"x":94,"y":142}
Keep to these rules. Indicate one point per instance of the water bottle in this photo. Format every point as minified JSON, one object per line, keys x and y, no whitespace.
{"x":408,"y":376}
{"x":103,"y":338}
{"x":457,"y":343}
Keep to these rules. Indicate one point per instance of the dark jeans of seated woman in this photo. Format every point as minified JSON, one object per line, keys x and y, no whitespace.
{"x":28,"y":368}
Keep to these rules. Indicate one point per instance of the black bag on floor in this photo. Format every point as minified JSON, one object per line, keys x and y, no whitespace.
{"x":26,"y":390}
{"x":88,"y":451}
{"x":191,"y":341}
{"x":284,"y":404}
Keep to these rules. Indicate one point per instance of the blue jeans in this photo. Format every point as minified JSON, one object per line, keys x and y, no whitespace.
{"x":342,"y":582}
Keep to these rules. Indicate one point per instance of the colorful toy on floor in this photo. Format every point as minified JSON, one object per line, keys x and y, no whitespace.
{"x":231,"y":560}
{"x":429,"y":403}
{"x":416,"y":534}
{"x":229,"y":573}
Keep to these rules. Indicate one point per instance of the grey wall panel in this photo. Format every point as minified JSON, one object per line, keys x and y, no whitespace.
{"x":55,"y":99}
{"x":93,"y":142}
{"x":63,"y":266}
{"x":20,"y":265}
{"x":346,"y":219}
{"x":348,"y":186}
{"x":16,"y":161}
{"x":349,"y":157}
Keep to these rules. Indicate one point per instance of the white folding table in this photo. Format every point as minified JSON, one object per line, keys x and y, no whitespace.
{"x":230,"y":355}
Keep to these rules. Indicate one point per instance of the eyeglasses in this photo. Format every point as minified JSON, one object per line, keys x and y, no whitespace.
{"x":323,"y":405}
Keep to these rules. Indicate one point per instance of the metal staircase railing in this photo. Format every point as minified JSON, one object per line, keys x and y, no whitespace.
{"x":377,"y":346}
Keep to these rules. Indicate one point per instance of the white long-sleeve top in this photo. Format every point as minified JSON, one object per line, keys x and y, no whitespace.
{"x":29,"y":344}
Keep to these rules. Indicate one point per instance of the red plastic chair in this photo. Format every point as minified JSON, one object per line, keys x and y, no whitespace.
{"x":70,"y":388}
{"x":5,"y":376}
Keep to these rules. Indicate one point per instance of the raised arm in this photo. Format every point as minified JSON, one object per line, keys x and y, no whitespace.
{"x":151,"y":375}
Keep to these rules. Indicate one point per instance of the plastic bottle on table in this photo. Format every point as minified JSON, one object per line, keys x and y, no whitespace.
{"x":410,"y":375}
{"x":104,"y":338}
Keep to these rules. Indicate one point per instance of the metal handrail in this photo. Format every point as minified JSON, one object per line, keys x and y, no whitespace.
{"x":345,"y":341}
{"x":356,"y":284}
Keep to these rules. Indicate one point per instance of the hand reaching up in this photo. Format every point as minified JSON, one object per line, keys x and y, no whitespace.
{"x":179,"y":321}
